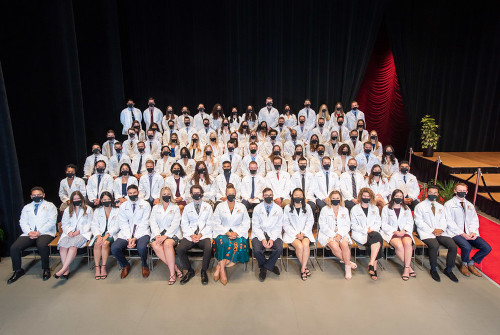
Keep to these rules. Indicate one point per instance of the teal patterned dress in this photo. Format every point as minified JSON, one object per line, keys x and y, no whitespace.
{"x":235,"y":250}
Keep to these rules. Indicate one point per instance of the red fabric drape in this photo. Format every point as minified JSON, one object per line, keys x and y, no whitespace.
{"x":380,"y":97}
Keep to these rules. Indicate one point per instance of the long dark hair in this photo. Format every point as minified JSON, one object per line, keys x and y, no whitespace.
{"x":182,"y":174}
{"x":391,"y":202}
{"x":71,"y":206}
{"x":129,"y":169}
{"x":292,"y":206}
{"x":392,"y":158}
{"x":196,"y":175}
{"x":106,"y":193}
{"x":371,"y":176}
{"x":215,"y":113}
{"x":250,"y":116}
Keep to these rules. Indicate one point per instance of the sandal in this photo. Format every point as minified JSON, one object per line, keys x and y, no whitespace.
{"x":172,"y":280}
{"x":106,"y":275}
{"x":308,"y":272}
{"x":98,"y":277}
{"x":372,"y":272}
{"x":413,"y":274}
{"x":303,"y":275}
{"x":179,"y":273}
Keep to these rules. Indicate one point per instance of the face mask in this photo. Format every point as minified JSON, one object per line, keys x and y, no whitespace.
{"x":373,"y":137}
{"x":314,"y":141}
{"x":404,"y":171}
{"x":208,"y":153}
{"x":326,"y":167}
{"x":365,"y":200}
{"x":388,"y":153}
{"x":277,"y":167}
{"x":360,"y":126}
{"x":201,"y":110}
{"x":461,"y":194}
{"x":165,"y":153}
{"x":335,"y":202}
{"x":302,"y":121}
{"x":219,"y":111}
{"x":352,"y":167}
{"x":294,"y":137}
{"x":353,"y":138}
{"x":298,"y":153}
{"x":234,"y":139}
{"x":235,"y":113}
{"x":376,"y":173}
{"x":324,"y":110}
{"x":355,"y":108}
{"x":338,"y":109}
{"x":226,"y":171}
{"x":100,"y":170}
{"x":225,"y":124}
{"x":184,"y":112}
{"x":244,"y":126}
{"x":253,"y":138}
{"x":206,"y":125}
{"x":201,"y":171}
{"x":150,"y":170}
{"x":213,"y":140}
{"x":151,"y":104}
{"x":106,"y":203}
{"x":137,"y":127}
{"x":170,"y":112}
{"x":96,"y":151}
{"x":253,"y":151}
{"x":269,"y":104}
{"x":133,"y":197}
{"x":340,"y":123}
{"x":334,"y":138}
{"x":141,"y":150}
{"x":111,"y":138}
{"x":196,"y":196}
{"x":253,"y":172}
{"x":287,"y":111}
{"x":166,"y":198}
{"x":297,"y":200}
{"x":432,"y":197}
{"x":151,"y":137}
{"x":77,"y":203}
{"x":125,"y":173}
{"x":273,"y":137}
{"x":345,"y":153}
{"x":176,"y":172}
{"x":250,"y":111}
{"x":230,"y":149}
{"x":187,"y":124}
{"x":184,"y":156}
{"x":302,"y":167}
{"x":398,"y":201}
{"x":70,"y":175}
{"x":281,"y":124}
{"x":268,"y":200}
{"x":367,"y":151}
{"x":276,"y":153}
{"x":118,"y":150}
{"x":307,"y":105}
{"x":37,"y":198}
{"x":132,"y":135}
{"x":231,"y":198}
{"x":195,"y":140}
{"x":174,"y":140}
{"x":321,"y":152}
{"x":130,"y":105}
{"x":321,"y":125}
{"x":171,"y":126}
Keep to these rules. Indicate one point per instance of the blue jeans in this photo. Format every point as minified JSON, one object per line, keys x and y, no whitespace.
{"x":141,"y":246}
{"x":467,"y":245}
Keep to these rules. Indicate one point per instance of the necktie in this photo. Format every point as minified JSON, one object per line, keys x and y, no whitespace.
{"x":197,"y":207}
{"x":253,"y":188}
{"x":151,"y":112}
{"x":140,"y":165}
{"x":340,"y":133}
{"x":231,"y":158}
{"x":354,"y":193}
{"x":133,"y":208}
{"x":206,"y":130}
{"x":172,"y":152}
{"x":307,"y":112}
{"x":99,"y":176}
{"x":36,"y":209}
{"x":433,"y":209}
{"x":133,"y":230}
{"x":253,"y":159}
{"x":110,"y":148}
{"x":326,"y":181}
{"x":461,"y":203}
{"x":294,"y":144}
{"x":404,"y":179}
{"x":268,"y":210}
{"x":119,"y":157}
{"x":150,"y":186}
{"x":95,"y":160}
{"x":227,"y":178}
{"x":302,"y":128}
{"x":132,"y":112}
{"x":187,"y":130}
{"x":304,"y":183}
{"x":278,"y":175}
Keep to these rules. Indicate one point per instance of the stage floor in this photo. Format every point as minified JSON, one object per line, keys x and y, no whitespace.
{"x":466,"y":159}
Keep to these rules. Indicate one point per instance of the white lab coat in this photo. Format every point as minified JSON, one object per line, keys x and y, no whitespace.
{"x":114,"y":164}
{"x":302,"y":135}
{"x":460,"y":221}
{"x":135,"y":163}
{"x":332,"y":151}
{"x":106,"y":184}
{"x":310,"y":184}
{"x":294,"y":224}
{"x":183,"y":186}
{"x":324,"y":136}
{"x":235,"y":163}
{"x":157,"y":117}
{"x":289,"y":146}
{"x":126,"y":118}
{"x":98,"y":223}
{"x":191,"y":221}
{"x":167,"y":134}
{"x":282,"y":187}
{"x":130,"y":147}
{"x":410,"y":188}
{"x":89,"y":166}
{"x":364,"y":165}
{"x":185,"y":135}
{"x":426,"y":222}
{"x":153,"y":148}
{"x":271,"y":224}
{"x":270,"y":116}
{"x":310,"y":116}
{"x":344,"y":137}
{"x":351,"y":120}
{"x":65,"y":190}
{"x":290,"y":120}
{"x":117,"y":186}
{"x":388,"y":169}
{"x":220,"y":185}
{"x":382,"y":187}
{"x":180,"y":121}
{"x":223,"y":220}
{"x":320,"y":191}
{"x":356,"y":148}
{"x":345,"y":182}
{"x":127,"y":218}
{"x":164,"y":164}
{"x":165,"y":219}
{"x":391,"y":222}
{"x":80,"y":221}
{"x":261,"y":165}
{"x":208,"y":190}
{"x":361,"y":222}
{"x":44,"y":221}
{"x":106,"y":150}
{"x":331,"y":225}
{"x":198,"y":120}
{"x":149,"y":190}
{"x":340,"y":167}
{"x":246,"y":187}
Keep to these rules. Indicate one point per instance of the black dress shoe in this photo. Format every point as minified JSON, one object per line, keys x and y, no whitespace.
{"x":204,"y":277}
{"x":46,"y":274}
{"x":450,"y":275}
{"x":17,"y":274}
{"x":262,"y":274}
{"x":66,"y":276}
{"x":187,"y":277}
{"x":435,"y":276}
{"x":276,"y":270}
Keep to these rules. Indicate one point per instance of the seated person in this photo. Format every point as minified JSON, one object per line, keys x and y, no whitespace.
{"x":406,"y":182}
{"x":306,"y":181}
{"x":139,"y":161}
{"x":117,"y":160}
{"x":70,"y":184}
{"x":98,"y":183}
{"x":178,"y":184}
{"x":366,"y":159}
{"x":252,"y":186}
{"x":223,"y":179}
{"x":351,"y":182}
{"x":326,"y":181}
{"x":91,"y":161}
{"x":280,"y":183}
{"x":122,"y":182}
{"x":150,"y":184}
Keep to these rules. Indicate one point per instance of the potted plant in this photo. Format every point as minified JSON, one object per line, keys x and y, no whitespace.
{"x":429,"y":136}
{"x":447,"y":190}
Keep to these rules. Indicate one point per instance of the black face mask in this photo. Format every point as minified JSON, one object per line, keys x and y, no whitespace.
{"x":253,"y":172}
{"x":201,"y":110}
{"x":166,"y":198}
{"x":77,"y":203}
{"x":326,"y":167}
{"x":324,"y":110}
{"x":294,"y":137}
{"x":345,"y":153}
{"x":208,"y":153}
{"x":388,"y":153}
{"x":461,"y":194}
{"x":276,"y":153}
{"x":253,"y":138}
{"x":376,"y":173}
{"x":367,"y":151}
{"x":230,"y":149}
{"x":174,"y":140}
{"x":269,"y":104}
{"x":151,"y":104}
{"x":125,"y":172}
{"x":335,"y":202}
{"x":398,"y":201}
{"x":314,"y":142}
{"x":176,"y":172}
{"x":106,"y":203}
{"x":281,"y":124}
{"x":201,"y":171}
{"x":273,"y":137}
{"x":404,"y":171}
{"x":253,"y":151}
{"x":111,"y":139}
{"x":352,"y":167}
{"x":231,"y":198}
{"x":171,"y":126}
{"x":165,"y":153}
{"x":118,"y":150}
{"x":100,"y":170}
{"x":373,"y":137}
{"x":340,"y":123}
{"x":321,"y":125}
{"x":70,"y":175}
{"x":432,"y":197}
{"x":196,"y":196}
{"x":96,"y":151}
{"x":268,"y":200}
{"x":151,"y":137}
{"x":187,"y":124}
{"x":244,"y":127}
{"x":287,"y":111}
{"x":226,"y":171}
{"x":37,"y":198}
{"x":302,"y":167}
{"x":338,"y":109}
{"x":130,"y":105}
{"x":150,"y":170}
{"x":334,"y":138}
{"x":355,"y":108}
{"x":213,"y":140}
{"x":184,"y":155}
{"x":297,"y":200}
{"x":360,"y":127}
{"x":298,"y":153}
{"x":365,"y":200}
{"x":225,"y":124}
{"x":354,"y":138}
{"x":195,"y":140}
{"x":250,"y":111}
{"x":277,"y":167}
{"x":206,"y":125}
{"x":132,"y":135}
{"x":321,"y":152}
{"x":133,"y":197}
{"x":137,"y":127}
{"x":302,"y":121}
{"x":170,"y":112}
{"x":307,"y":105}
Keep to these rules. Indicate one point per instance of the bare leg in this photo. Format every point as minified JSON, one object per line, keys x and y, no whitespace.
{"x":169,"y":254}
{"x":105,"y":254}
{"x":398,"y":248}
{"x":159,"y":251}
{"x":408,"y":251}
{"x":63,"y":252}
{"x":69,"y":259}
{"x":97,"y":259}
{"x":306,"y":251}
{"x":374,"y":252}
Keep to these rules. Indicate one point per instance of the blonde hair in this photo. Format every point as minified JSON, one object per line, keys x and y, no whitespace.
{"x":377,"y":143}
{"x":71,"y":206}
{"x":320,"y":113}
{"x":166,"y":188}
{"x":329,"y":202}
{"x":370,"y":192}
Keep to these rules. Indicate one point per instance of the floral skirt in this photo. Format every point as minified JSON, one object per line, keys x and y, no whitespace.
{"x":234,"y":250}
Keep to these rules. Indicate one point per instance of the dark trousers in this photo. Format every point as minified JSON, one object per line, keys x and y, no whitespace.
{"x":313,"y":206}
{"x":372,"y":238}
{"x":258,"y":252}
{"x":141,"y":246}
{"x":23,"y":242}
{"x":185,"y":245}
{"x":466,"y":247}
{"x":349,"y":204}
{"x":248,"y":205}
{"x":433,"y":245}
{"x":320,"y":203}
{"x":413,"y":204}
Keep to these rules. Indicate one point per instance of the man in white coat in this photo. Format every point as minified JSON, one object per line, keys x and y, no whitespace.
{"x":463,"y":227}
{"x":279,"y":182}
{"x":186,"y":132}
{"x":430,"y":219}
{"x":90,"y":162}
{"x":267,"y":226}
{"x":153,"y":146}
{"x":116,"y":161}
{"x":198,"y":118}
{"x":326,"y":181}
{"x":366,"y":159}
{"x":129,"y":115}
{"x":221,"y":181}
{"x":303,"y":132}
{"x":352,"y":117}
{"x":108,"y":147}
{"x":252,"y":186}
{"x":139,"y":161}
{"x":253,"y":157}
{"x":98,"y":183}
{"x":152,"y":115}
{"x":134,"y":231}
{"x":353,"y":142}
{"x":269,"y":114}
{"x":38,"y":224}
{"x":233,"y":158}
{"x":350,"y":183}
{"x":309,"y":114}
{"x":407,"y":183}
{"x":150,"y":184}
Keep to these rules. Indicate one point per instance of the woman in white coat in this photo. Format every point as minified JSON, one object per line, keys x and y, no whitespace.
{"x":340,"y":163}
{"x":298,"y":223}
{"x":202,"y":177}
{"x":104,"y":227}
{"x":365,"y":226}
{"x":397,"y":229}
{"x":165,"y":223}
{"x":76,"y":233}
{"x":379,"y":185}
{"x":179,"y":185}
{"x":122,"y":182}
{"x":334,"y":226}
{"x":390,"y":164}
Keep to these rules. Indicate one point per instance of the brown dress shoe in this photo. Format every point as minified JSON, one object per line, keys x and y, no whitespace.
{"x":474,"y":271}
{"x":464,"y":270}
{"x":125,"y":271}
{"x":145,"y":271}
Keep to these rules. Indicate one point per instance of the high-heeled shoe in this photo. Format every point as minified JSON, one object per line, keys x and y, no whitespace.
{"x":66,"y":276}
{"x":56,"y":276}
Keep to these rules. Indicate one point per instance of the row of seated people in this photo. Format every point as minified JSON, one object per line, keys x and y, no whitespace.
{"x":131,"y":117}
{"x":134,"y":224}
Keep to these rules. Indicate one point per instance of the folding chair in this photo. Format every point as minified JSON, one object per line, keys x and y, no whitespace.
{"x":312,"y":254}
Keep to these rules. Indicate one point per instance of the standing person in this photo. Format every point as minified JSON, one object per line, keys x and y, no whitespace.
{"x":351,"y":182}
{"x":230,"y":225}
{"x":309,"y":115}
{"x":353,"y":116}
{"x":297,"y":227}
{"x":269,"y":114}
{"x":38,"y":225}
{"x":267,"y":225}
{"x":98,"y":183}
{"x":406,"y":182}
{"x":129,"y":115}
{"x":70,"y":184}
{"x":152,"y":114}
{"x":150,"y":184}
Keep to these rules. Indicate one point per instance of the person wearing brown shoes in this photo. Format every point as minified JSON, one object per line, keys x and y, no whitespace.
{"x":463,"y":226}
{"x":134,"y":231}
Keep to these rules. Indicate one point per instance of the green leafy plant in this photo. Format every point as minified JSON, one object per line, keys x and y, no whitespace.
{"x":429,"y":136}
{"x":446,"y":191}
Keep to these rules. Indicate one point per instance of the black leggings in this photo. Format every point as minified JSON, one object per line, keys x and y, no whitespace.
{"x":372,"y":238}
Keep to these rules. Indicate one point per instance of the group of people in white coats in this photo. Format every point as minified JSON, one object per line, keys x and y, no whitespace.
{"x":190,"y":182}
